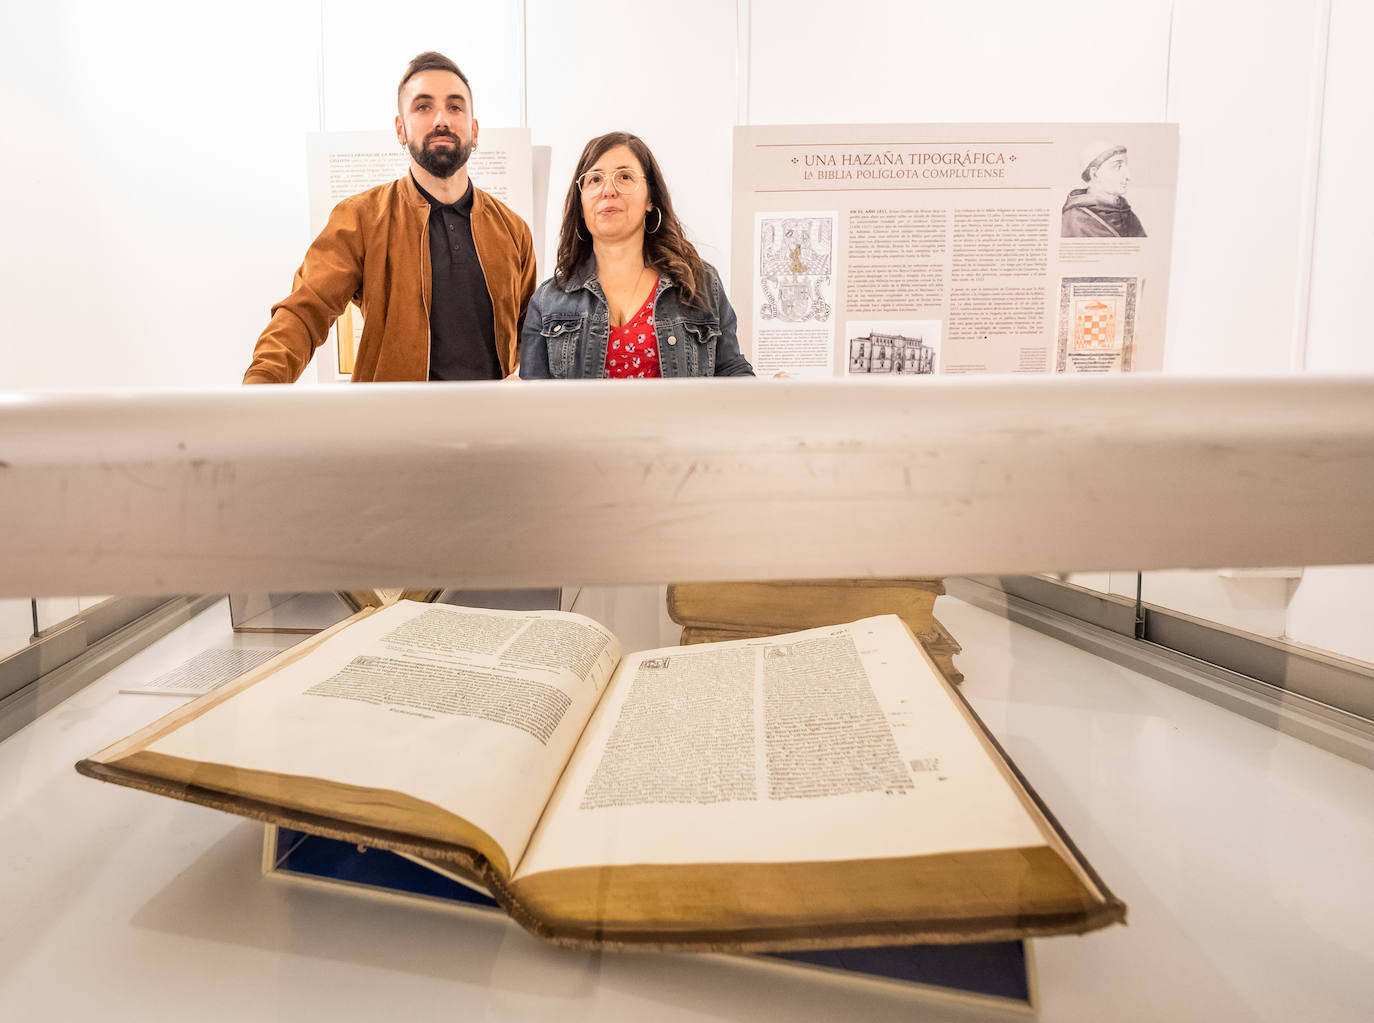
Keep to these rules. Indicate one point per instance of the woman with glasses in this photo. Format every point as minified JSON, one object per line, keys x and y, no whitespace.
{"x":630,"y":296}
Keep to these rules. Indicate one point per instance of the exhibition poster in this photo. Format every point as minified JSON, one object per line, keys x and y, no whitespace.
{"x":344,"y":163}
{"x":919,"y":249}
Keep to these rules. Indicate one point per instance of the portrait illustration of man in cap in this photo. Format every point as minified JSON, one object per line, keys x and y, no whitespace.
{"x":1100,"y":210}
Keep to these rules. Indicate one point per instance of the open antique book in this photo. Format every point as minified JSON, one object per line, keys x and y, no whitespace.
{"x":819,"y":789}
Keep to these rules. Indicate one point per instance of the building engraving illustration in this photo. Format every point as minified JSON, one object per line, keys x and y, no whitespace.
{"x":890,"y":353}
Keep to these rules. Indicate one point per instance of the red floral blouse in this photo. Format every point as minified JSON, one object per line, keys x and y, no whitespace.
{"x":632,"y":350}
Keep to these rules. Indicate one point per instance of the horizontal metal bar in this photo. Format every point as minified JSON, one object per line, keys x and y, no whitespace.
{"x":1313,"y":674}
{"x":1103,"y":610}
{"x":602,"y":482}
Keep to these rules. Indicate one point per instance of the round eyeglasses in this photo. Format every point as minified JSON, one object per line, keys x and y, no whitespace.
{"x":624,"y":180}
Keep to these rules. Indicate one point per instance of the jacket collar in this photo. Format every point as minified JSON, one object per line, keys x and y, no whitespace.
{"x":410,"y":192}
{"x":413,"y":196}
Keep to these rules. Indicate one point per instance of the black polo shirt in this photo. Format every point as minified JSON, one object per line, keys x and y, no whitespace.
{"x":462,"y":333}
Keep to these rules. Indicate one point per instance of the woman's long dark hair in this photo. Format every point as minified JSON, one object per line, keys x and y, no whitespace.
{"x":667,"y":249}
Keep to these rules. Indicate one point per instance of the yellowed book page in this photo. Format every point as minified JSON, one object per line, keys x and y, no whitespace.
{"x":837,"y":743}
{"x":474,"y":711}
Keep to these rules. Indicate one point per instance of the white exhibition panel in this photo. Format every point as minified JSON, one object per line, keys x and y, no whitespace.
{"x":531,"y":484}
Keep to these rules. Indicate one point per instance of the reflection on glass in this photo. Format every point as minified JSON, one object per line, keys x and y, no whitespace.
{"x":1322,"y":607}
{"x":16,"y":625}
{"x":1117,"y":583}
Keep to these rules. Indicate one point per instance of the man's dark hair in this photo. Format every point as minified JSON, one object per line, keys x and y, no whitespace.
{"x":429,"y":61}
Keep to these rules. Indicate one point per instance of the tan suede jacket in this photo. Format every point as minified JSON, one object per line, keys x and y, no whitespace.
{"x":375,"y":251}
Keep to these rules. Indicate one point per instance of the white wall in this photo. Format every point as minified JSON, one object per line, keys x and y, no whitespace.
{"x":1340,"y":335}
{"x":156,"y":177}
{"x":154,"y":187}
{"x":816,"y":62}
{"x":166,"y":147}
{"x":1331,"y":605}
{"x":661,"y":69}
{"x":1289,"y":112}
{"x":1240,"y":88}
{"x":364,"y":50}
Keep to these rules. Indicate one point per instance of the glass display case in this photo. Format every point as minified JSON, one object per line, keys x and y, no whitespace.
{"x":1154,"y":588}
{"x":1185,"y":807}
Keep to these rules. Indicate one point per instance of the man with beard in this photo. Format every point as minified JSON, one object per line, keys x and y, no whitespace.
{"x":441,"y":270}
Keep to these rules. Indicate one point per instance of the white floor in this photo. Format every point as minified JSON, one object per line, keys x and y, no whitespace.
{"x":1246,"y":858}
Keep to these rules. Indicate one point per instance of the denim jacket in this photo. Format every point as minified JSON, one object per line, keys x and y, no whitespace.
{"x":566,"y":332}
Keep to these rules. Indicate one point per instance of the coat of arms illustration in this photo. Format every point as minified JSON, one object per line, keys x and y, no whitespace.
{"x":795,"y":259}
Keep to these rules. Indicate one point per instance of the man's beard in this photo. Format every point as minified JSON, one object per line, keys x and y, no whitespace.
{"x":444,"y":162}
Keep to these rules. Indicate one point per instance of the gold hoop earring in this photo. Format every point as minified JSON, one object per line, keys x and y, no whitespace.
{"x":657,"y":225}
{"x":577,"y":232}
